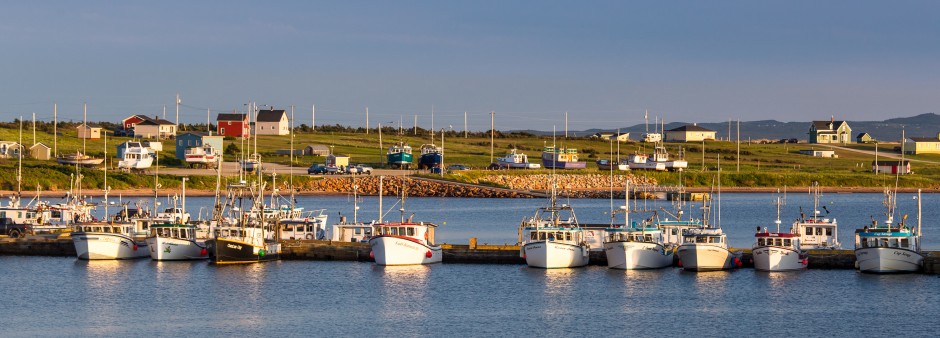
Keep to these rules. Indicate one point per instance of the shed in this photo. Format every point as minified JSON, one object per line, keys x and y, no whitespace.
{"x":337,"y":160}
{"x":865,"y":138}
{"x":87,"y":131}
{"x":196,"y":139}
{"x":689,"y":133}
{"x":892,"y":167}
{"x":819,"y":153}
{"x":40,"y":151}
{"x":316,"y":150}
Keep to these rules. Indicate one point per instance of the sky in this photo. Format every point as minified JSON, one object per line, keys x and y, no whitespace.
{"x":529,"y":62}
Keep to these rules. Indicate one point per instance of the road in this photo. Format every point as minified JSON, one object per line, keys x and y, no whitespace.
{"x":881,"y":154}
{"x":231,"y":169}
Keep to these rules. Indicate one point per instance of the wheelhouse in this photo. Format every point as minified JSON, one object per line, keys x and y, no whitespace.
{"x":894,"y":237}
{"x":179,"y":232}
{"x":780,"y":240}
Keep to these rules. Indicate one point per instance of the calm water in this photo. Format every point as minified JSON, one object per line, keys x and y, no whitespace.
{"x":54,"y":296}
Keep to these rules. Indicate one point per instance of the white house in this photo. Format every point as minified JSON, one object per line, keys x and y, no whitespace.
{"x":272,"y":122}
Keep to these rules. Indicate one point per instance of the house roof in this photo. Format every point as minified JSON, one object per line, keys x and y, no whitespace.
{"x":690,"y":127}
{"x":231,"y":117}
{"x":824,"y":125}
{"x":89,"y":126}
{"x":318,"y":146}
{"x":155,"y":122}
{"x":861,"y":134}
{"x":924,"y":139}
{"x":40,"y":144}
{"x":270,"y":115}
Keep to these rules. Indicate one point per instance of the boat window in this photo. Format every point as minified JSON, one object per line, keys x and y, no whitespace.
{"x":357,"y":231}
{"x":786,"y":242}
{"x":534,"y":236}
{"x":760,"y":242}
{"x":884,"y":243}
{"x":701,"y":239}
{"x":828,"y":231}
{"x":183,"y":234}
{"x":411,"y":231}
{"x":542,"y":236}
{"x":893,"y":243}
{"x":809,"y":230}
{"x":905,"y":243}
{"x":675,"y":232}
{"x":394,"y":231}
{"x":568,"y":236}
{"x":648,"y":238}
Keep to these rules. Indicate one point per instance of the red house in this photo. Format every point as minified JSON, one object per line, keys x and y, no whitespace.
{"x":235,"y":125}
{"x":132,"y":121}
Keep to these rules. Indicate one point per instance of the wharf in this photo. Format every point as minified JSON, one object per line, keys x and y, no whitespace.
{"x":453,"y":253}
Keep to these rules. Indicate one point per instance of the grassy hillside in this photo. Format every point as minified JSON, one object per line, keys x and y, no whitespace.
{"x":760,"y":165}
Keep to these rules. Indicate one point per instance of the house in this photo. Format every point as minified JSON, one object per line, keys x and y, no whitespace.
{"x":819,"y":153}
{"x":865,"y":138}
{"x":196,"y":139}
{"x":922,"y":145}
{"x":316,"y":150}
{"x":689,"y":133}
{"x":155,"y":128}
{"x":831,"y":131}
{"x":234,"y":125}
{"x":272,"y":122}
{"x":9,"y":149}
{"x":337,"y":160}
{"x":130,"y":122}
{"x":892,"y":167}
{"x":87,"y":131}
{"x":40,"y":151}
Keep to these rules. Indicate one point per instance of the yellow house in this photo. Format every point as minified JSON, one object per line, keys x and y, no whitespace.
{"x":922,"y":145}
{"x":689,"y":133}
{"x":89,"y":132}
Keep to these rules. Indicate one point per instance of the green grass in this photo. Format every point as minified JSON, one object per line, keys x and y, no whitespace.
{"x":760,"y":165}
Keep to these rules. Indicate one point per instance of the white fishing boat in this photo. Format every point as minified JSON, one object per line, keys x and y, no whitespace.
{"x":636,"y":245}
{"x":404,"y":242}
{"x":553,"y":238}
{"x":778,"y":251}
{"x":889,"y":247}
{"x":136,"y":157}
{"x":79,"y":159}
{"x":175,"y":242}
{"x":817,"y":232}
{"x":98,"y":240}
{"x":355,"y":231}
{"x":658,"y":161}
{"x":516,"y":160}
{"x":201,"y":156}
{"x":706,"y":248}
{"x":302,"y":224}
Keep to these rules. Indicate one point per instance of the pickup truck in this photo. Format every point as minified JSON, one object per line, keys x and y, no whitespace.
{"x":7,"y":227}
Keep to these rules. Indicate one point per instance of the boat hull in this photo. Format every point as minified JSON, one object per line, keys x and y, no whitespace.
{"x":399,"y":159}
{"x":549,"y":164}
{"x":705,"y":258}
{"x":769,"y":258}
{"x":229,"y":251}
{"x":888,"y":260}
{"x":555,"y":255}
{"x":136,"y":164}
{"x":85,"y":162}
{"x":175,"y":249}
{"x":391,"y":250}
{"x":431,"y":160}
{"x":514,"y":165}
{"x":107,"y":246}
{"x":637,"y":255}
{"x":657,"y":166}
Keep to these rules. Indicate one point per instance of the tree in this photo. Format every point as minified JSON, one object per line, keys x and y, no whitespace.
{"x":231,"y":149}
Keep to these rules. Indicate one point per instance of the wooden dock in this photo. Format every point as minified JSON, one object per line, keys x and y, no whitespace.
{"x":453,"y":253}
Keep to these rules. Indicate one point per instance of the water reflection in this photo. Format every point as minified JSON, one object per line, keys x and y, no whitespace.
{"x":238,"y":293}
{"x":402,"y":296}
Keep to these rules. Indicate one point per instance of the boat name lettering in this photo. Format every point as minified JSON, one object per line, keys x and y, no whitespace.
{"x":233,"y":246}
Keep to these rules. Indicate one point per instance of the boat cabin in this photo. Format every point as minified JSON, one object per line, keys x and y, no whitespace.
{"x":704,"y":236}
{"x":781,"y":240}
{"x":124,"y":229}
{"x":672,"y":230}
{"x":899,"y":237}
{"x":412,"y":230}
{"x":173,"y":231}
{"x":295,"y":231}
{"x":817,"y":233}
{"x":645,"y":235}
{"x":359,"y":232}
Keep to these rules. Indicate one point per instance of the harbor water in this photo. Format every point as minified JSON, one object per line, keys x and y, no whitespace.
{"x":61,"y":296}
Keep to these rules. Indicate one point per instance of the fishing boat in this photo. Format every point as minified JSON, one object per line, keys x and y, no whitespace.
{"x":404,"y":242}
{"x":136,"y":157}
{"x":431,"y":156}
{"x":611,"y":165}
{"x":778,"y":251}
{"x":242,"y":236}
{"x":552,"y":238}
{"x":516,"y":160}
{"x":636,"y":245}
{"x":79,"y":159}
{"x":561,"y":158}
{"x":301,"y":224}
{"x":103,"y":241}
{"x":250,"y":163}
{"x":399,"y":155}
{"x":201,"y":156}
{"x":889,"y":247}
{"x":706,"y":248}
{"x":817,"y":232}
{"x":658,"y":161}
{"x":175,"y":242}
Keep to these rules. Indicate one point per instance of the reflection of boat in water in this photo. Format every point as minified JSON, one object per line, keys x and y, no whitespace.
{"x":561,"y":158}
{"x":516,"y":160}
{"x":889,"y":248}
{"x":79,"y":159}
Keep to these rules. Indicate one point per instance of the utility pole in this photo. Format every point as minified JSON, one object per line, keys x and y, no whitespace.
{"x":367,"y":120}
{"x":492,"y":133}
{"x":34,"y":128}
{"x":208,"y":121}
{"x":313,"y":117}
{"x":739,"y":147}
{"x":177,"y":110}
{"x":55,"y":129}
{"x":566,"y":124}
{"x":432,"y":123}
{"x":416,"y":124}
{"x":464,"y":124}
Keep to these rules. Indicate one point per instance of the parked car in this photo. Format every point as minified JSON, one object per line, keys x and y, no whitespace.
{"x":316,"y":169}
{"x":453,"y":167}
{"x":363,"y":169}
{"x":123,"y":132}
{"x":7,"y":227}
{"x":352,"y":170}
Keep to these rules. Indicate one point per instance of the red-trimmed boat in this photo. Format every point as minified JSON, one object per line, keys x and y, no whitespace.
{"x":778,"y":251}
{"x":405,"y":243}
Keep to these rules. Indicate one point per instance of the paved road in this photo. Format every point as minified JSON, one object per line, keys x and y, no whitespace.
{"x":881,"y":154}
{"x":231,"y":169}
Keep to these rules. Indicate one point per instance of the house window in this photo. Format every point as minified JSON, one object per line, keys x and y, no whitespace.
{"x":222,"y":131}
{"x":229,"y":123}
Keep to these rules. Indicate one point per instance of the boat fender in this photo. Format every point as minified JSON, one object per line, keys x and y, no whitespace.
{"x":372,"y":255}
{"x":203,"y":252}
{"x":428,"y":254}
{"x":737,"y":262}
{"x":425,"y":235}
{"x":309,"y":236}
{"x":135,"y":246}
{"x":680,"y":263}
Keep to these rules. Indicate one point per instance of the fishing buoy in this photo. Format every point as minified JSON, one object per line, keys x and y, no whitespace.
{"x":203,"y":252}
{"x":371,"y":255}
{"x":428,"y":254}
{"x":680,"y":263}
{"x":135,"y":246}
{"x":737,"y":262}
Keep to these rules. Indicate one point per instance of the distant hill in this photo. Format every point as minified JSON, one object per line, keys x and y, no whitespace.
{"x":923,"y":125}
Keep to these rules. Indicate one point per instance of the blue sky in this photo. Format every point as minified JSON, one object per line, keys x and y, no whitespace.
{"x":604,"y":62}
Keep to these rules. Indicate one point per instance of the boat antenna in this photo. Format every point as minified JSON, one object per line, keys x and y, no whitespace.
{"x":293,"y":200}
{"x":778,"y":203}
{"x":610,"y":166}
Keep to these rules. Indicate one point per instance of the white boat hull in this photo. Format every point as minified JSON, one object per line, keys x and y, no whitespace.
{"x":389,"y":250}
{"x":135,"y":164}
{"x":770,"y":258}
{"x":92,"y":246}
{"x":554,"y":255}
{"x":637,"y":255}
{"x":174,"y":249}
{"x":514,"y":165}
{"x":658,"y":166}
{"x":888,"y":260}
{"x":705,"y":257}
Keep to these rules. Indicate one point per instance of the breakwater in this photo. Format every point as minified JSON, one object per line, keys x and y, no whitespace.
{"x":453,"y":253}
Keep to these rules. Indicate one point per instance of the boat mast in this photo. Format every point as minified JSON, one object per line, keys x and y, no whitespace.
{"x":19,"y":166}
{"x":291,"y":171}
{"x":107,"y":189}
{"x":55,"y":129}
{"x":156,"y":180}
{"x":381,"y":178}
{"x":85,"y":125}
